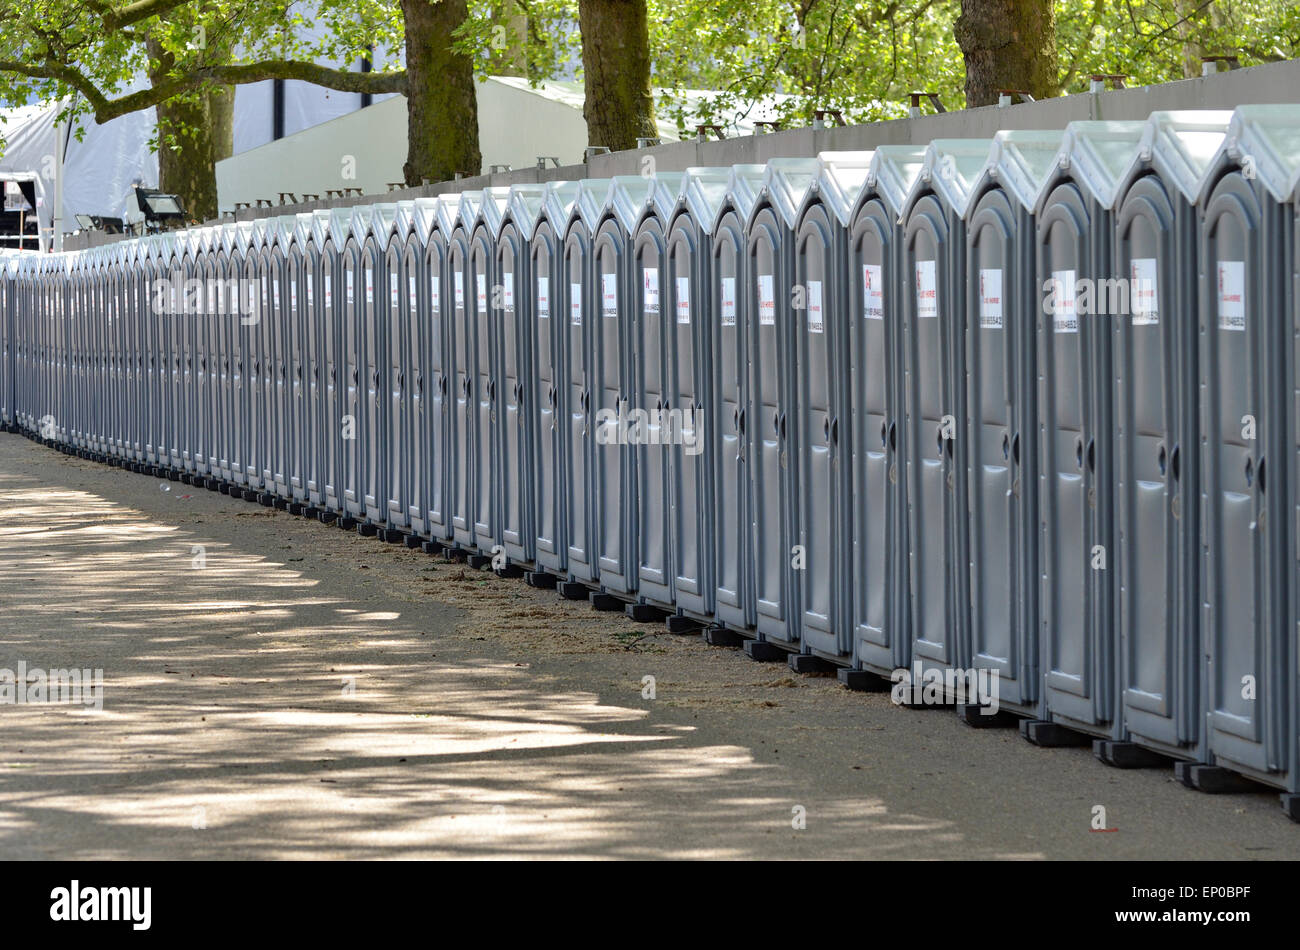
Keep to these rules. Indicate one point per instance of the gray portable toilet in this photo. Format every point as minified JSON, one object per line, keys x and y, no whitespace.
{"x":578,"y":301}
{"x":771,"y":298}
{"x":372,"y":228}
{"x":194,"y":447}
{"x":518,"y":465}
{"x":261,"y":370}
{"x":231,"y":470}
{"x":279,"y":364}
{"x":328,"y":370}
{"x":549,"y":392}
{"x":175,"y":340}
{"x":485,"y":375}
{"x":644,"y":435}
{"x":214,"y":269}
{"x":437,"y":223}
{"x":122,"y":342}
{"x":820,"y":400}
{"x":1002,"y":304}
{"x":460,"y":350}
{"x":610,"y":344}
{"x":303,"y":387}
{"x":158,"y":408}
{"x":1076,"y":230}
{"x":935,"y":452}
{"x":403,"y":435}
{"x":352,"y":269}
{"x":1246,"y":375}
{"x":876,"y":513}
{"x":127,"y":299}
{"x":691,"y":379}
{"x":390,"y":338}
{"x":1155,"y":400}
{"x":7,"y":266}
{"x":733,"y":589}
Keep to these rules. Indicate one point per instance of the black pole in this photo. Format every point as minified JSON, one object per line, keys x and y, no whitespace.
{"x":365,"y":68}
{"x":277,"y":109}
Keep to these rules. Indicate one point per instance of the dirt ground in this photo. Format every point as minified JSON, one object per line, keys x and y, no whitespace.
{"x":276,"y":688}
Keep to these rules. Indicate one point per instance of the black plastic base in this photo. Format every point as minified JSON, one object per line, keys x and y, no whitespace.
{"x":431,"y":547}
{"x":603,"y":601}
{"x":1127,"y":755}
{"x":1212,"y":779}
{"x":644,"y":613}
{"x":345,"y":523}
{"x":716,"y":636}
{"x":572,"y":590}
{"x":509,"y":572}
{"x":1051,"y":735}
{"x":683,"y":625}
{"x":763,"y":652}
{"x":478,"y":561}
{"x":1290,"y":805}
{"x":366,"y":529}
{"x":979,"y":717}
{"x":541,"y":580}
{"x":392,"y":535}
{"x":862,"y":681}
{"x":807,"y":663}
{"x":413,"y":542}
{"x":325,"y":516}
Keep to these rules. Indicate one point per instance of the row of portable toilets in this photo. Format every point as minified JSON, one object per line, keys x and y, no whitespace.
{"x":1015,"y":405}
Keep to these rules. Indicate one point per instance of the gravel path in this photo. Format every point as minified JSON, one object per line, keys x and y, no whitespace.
{"x":275,"y":688}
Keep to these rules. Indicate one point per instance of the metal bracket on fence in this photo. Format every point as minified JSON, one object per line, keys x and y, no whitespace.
{"x":498,"y":169}
{"x":395,"y":185}
{"x":1097,"y":82}
{"x":229,"y":214}
{"x":332,"y":193}
{"x":703,"y":129}
{"x":241,"y":206}
{"x":264,"y":203}
{"x":644,"y":141}
{"x":1008,"y":96}
{"x":914,"y":103}
{"x":593,"y":150}
{"x":293,"y":198}
{"x":543,"y":159}
{"x":353,"y":191}
{"x":768,"y":125}
{"x":307,"y":197}
{"x":1210,"y":64}
{"x":821,"y":115}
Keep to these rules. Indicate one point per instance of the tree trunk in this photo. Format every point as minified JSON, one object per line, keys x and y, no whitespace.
{"x":221,"y":113}
{"x":190,"y":138}
{"x":1007,"y":44}
{"x":441,"y":103}
{"x":619,"y":108}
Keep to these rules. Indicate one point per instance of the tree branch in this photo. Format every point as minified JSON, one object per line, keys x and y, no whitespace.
{"x":340,"y":79}
{"x":106,"y":109}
